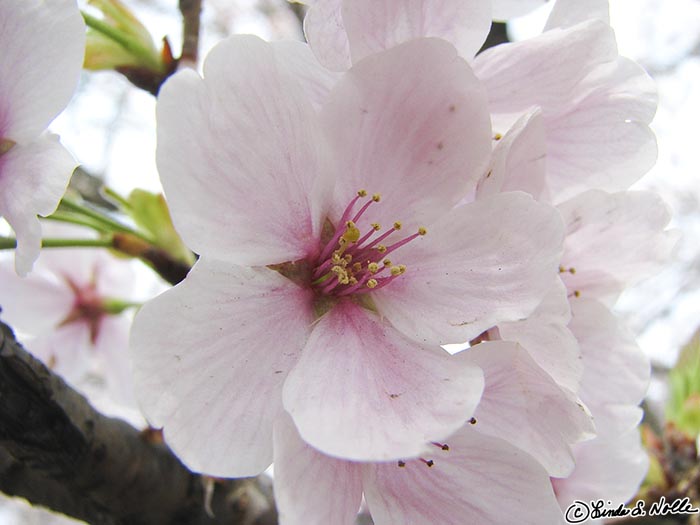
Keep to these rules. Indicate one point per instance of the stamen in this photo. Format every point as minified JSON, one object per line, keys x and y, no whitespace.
{"x":401,"y":463}
{"x":428,"y":462}
{"x":442,"y":446}
{"x":472,"y":421}
{"x":375,"y":198}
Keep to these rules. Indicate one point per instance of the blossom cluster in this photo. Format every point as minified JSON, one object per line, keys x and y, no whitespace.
{"x":359,"y":202}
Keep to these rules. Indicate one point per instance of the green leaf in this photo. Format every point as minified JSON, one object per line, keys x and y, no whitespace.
{"x":150,"y":213}
{"x":683,"y":407}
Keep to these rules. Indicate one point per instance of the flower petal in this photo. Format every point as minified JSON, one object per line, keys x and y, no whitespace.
{"x":240,"y":157}
{"x":33,"y":178}
{"x":42,"y":44}
{"x":547,"y":338}
{"x":616,"y":371}
{"x":412,"y":124}
{"x":480,"y":479}
{"x":316,"y":80}
{"x":362,"y":391}
{"x":376,"y":25}
{"x":608,"y":469}
{"x":545,"y":70}
{"x":209,"y":363}
{"x":483,"y":263}
{"x":312,"y":488}
{"x":524,"y":406}
{"x":35,"y":304}
{"x":325,"y":32}
{"x":614,"y":241}
{"x":518,"y":159}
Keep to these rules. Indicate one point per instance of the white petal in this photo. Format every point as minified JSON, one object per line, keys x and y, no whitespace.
{"x":43,"y":43}
{"x":608,"y":469}
{"x":376,"y":25}
{"x":362,"y":391}
{"x":325,"y":32}
{"x":547,"y":338}
{"x":616,"y":371}
{"x":524,"y":406}
{"x":210,"y":357}
{"x":480,"y":479}
{"x":33,"y":178}
{"x":411,"y":124}
{"x":484,"y":263}
{"x":240,"y":157}
{"x":312,"y":488}
{"x":614,"y":241}
{"x":518,"y":159}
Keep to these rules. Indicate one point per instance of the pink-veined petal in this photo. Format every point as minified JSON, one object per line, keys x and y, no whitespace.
{"x":310,"y":487}
{"x":33,"y":178}
{"x":518,"y":159}
{"x":524,"y":406}
{"x":316,"y":81}
{"x":411,"y":124}
{"x":241,"y":157}
{"x":608,"y":469}
{"x":362,"y":391}
{"x":566,"y":13}
{"x":43,"y":43}
{"x":210,"y":357}
{"x":545,"y":70}
{"x":614,"y":241}
{"x":480,"y":479}
{"x":112,"y":353}
{"x":546,"y":337}
{"x":376,"y":25}
{"x":35,"y":304}
{"x":481,"y":264}
{"x":325,"y":32}
{"x":616,"y":371}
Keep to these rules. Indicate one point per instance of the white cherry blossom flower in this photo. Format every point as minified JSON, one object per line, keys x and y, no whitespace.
{"x":310,"y":294}
{"x":42,"y":42}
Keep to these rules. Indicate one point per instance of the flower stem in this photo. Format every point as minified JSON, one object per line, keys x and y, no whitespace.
{"x":109,"y":224}
{"x":9,"y":243}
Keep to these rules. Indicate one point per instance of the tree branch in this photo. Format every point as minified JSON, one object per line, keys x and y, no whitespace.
{"x":191,"y":10}
{"x":58,"y":452}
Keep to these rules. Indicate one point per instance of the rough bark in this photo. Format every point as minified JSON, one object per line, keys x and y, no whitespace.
{"x":58,"y":452}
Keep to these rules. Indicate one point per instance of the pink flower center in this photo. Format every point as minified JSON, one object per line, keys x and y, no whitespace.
{"x":352,"y":262}
{"x":88,"y":307}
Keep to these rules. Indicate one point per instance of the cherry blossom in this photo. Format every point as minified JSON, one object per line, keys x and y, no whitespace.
{"x":303,"y":299}
{"x":43,"y":43}
{"x":73,"y":310}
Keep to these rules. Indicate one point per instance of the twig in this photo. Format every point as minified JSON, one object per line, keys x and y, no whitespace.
{"x":191,"y":11}
{"x":58,"y":452}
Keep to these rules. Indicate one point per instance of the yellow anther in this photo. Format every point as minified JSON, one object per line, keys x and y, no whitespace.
{"x":372,"y":283}
{"x":396,"y":270}
{"x":352,"y":232}
{"x":335,"y":257}
{"x":376,"y":226}
{"x":376,"y":197}
{"x":373,"y":267}
{"x":497,"y":136}
{"x":387,"y":262}
{"x":348,"y":257}
{"x":337,"y":270}
{"x":357,"y":267}
{"x":562,"y":269}
{"x":381,"y":248}
{"x":572,"y":271}
{"x":402,"y":267}
{"x":352,"y":280}
{"x":577,"y":293}
{"x":362,"y":193}
{"x":422,"y":231}
{"x":397,"y":225}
